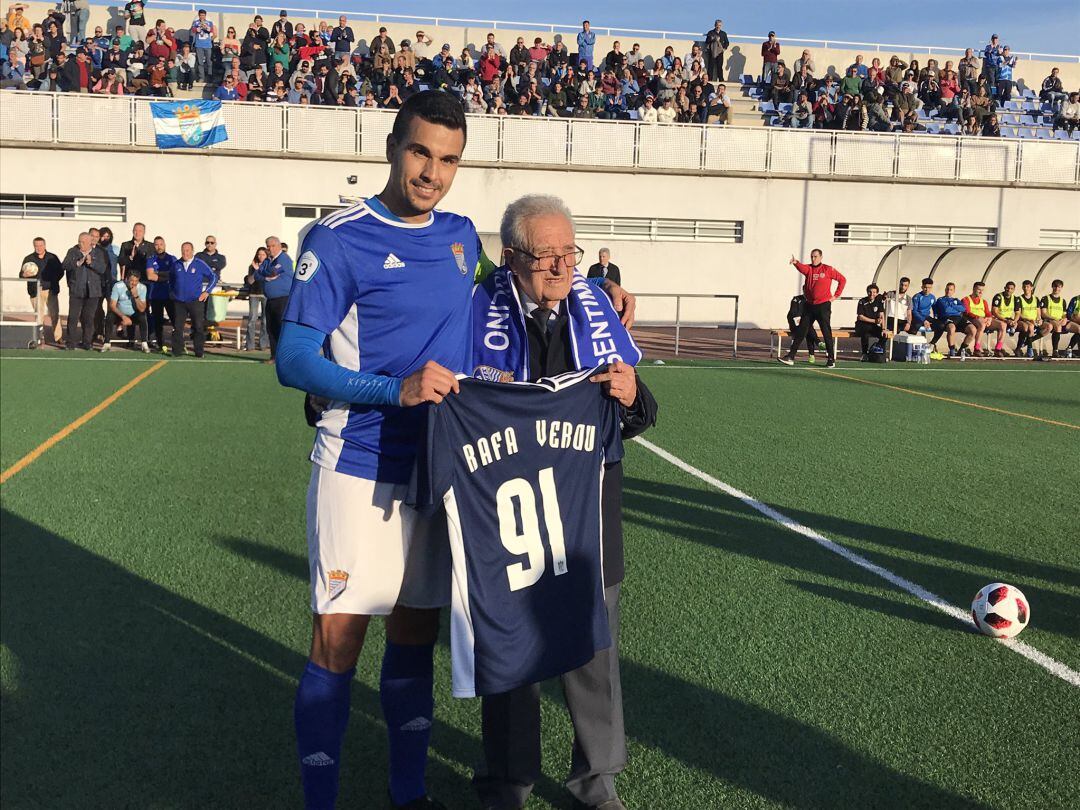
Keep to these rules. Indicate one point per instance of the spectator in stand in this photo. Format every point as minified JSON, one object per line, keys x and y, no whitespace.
{"x":991,"y":128}
{"x":825,"y":110}
{"x":770,"y":55}
{"x":282,"y":25}
{"x":230,"y":46}
{"x":586,"y":41}
{"x":976,"y":320}
{"x":851,"y":84}
{"x":667,"y":113}
{"x":190,"y":284}
{"x":45,"y":293}
{"x":718,"y":110}
{"x":280,"y":52}
{"x":869,"y":321}
{"x":158,"y":268}
{"x":135,"y":18}
{"x":805,"y":59}
{"x":185,"y":68}
{"x":604,"y":268}
{"x":802,"y":112}
{"x":981,"y":109}
{"x":17,"y":19}
{"x":950,"y":88}
{"x":855,"y":118}
{"x":876,"y":117}
{"x":79,"y":74}
{"x":969,"y":71}
{"x":716,"y":44}
{"x":377,"y":42}
{"x":646,"y":112}
{"x":780,"y":89}
{"x":276,"y":273}
{"x":858,"y":66}
{"x":949,"y":318}
{"x":253,"y":48}
{"x":1069,"y":117}
{"x":127,"y":307}
{"x":227,"y":91}
{"x":342,"y":37}
{"x":86,"y":269}
{"x":1005,"y":75}
{"x":817,"y":287}
{"x":1052,"y":91}
{"x":991,"y":61}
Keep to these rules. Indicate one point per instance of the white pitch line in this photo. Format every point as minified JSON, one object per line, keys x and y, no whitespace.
{"x":759,"y":366}
{"x":250,"y":361}
{"x":1051,"y":665}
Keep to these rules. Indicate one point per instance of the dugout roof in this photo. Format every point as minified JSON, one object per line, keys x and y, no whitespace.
{"x":965,"y":266}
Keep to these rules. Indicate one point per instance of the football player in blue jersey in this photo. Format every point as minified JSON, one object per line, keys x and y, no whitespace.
{"x":378,"y":324}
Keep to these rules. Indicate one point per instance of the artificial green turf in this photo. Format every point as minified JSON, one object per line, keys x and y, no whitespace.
{"x":155,"y":601}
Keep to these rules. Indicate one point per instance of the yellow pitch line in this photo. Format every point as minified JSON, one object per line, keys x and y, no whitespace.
{"x":953,"y":401}
{"x":63,"y":433}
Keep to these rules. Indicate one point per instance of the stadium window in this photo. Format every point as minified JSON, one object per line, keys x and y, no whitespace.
{"x":298,"y":211}
{"x":857,"y":233}
{"x":42,"y":206}
{"x":659,"y":230}
{"x":1049,"y":238}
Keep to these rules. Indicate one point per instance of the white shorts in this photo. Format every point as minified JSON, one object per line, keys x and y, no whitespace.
{"x":368,"y":551}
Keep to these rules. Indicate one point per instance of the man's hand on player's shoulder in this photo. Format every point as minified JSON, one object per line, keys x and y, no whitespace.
{"x":624,"y":302}
{"x":431,"y":383}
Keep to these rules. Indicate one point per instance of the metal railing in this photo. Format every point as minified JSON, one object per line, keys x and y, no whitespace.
{"x":678,"y":322}
{"x":555,"y":28}
{"x":350,"y":133}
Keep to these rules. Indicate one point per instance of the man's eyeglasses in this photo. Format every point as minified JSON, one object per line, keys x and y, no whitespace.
{"x":210,"y":242}
{"x":547,"y":262}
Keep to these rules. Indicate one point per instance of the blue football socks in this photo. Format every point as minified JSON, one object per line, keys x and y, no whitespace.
{"x":408,"y":703}
{"x":321,"y":715}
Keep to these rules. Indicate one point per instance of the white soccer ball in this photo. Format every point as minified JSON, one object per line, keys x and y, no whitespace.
{"x":1000,"y":610}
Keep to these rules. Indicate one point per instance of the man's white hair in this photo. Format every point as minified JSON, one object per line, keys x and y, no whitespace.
{"x":514,"y":229}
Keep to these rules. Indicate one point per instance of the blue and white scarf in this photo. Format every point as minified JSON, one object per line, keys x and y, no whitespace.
{"x":500,"y":345}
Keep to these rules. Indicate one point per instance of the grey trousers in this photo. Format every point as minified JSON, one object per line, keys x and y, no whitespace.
{"x":511,"y":731}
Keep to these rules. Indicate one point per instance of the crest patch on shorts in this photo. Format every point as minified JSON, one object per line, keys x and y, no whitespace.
{"x":338,"y":581}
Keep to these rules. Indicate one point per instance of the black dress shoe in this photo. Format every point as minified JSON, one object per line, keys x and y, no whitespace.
{"x":423,"y":803}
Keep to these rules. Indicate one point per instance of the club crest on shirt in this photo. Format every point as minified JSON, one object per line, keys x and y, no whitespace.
{"x":338,"y":581}
{"x":458,"y":250}
{"x":492,"y":374}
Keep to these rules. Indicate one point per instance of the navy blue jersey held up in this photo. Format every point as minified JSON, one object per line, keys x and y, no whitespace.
{"x":518,"y":467}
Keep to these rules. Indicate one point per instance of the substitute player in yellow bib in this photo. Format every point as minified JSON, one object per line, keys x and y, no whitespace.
{"x":1027,"y":323}
{"x":1005,"y":316}
{"x":1052,"y":310}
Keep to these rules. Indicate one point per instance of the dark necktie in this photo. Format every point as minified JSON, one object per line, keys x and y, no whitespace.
{"x":542,"y":316}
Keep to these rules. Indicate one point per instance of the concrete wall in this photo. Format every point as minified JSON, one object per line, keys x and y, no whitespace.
{"x":744,"y":57}
{"x":241,"y":200}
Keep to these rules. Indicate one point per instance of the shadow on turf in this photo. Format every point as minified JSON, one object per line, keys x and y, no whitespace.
{"x":711,"y":517}
{"x":761,"y":751}
{"x":120,"y":693}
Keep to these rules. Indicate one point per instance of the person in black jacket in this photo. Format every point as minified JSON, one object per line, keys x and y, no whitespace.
{"x":86,"y":269}
{"x":605,"y":269}
{"x":716,"y":43}
{"x":45,"y":291}
{"x":538,"y":238}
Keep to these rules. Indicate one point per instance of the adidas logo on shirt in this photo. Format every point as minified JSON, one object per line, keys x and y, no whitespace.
{"x":393,"y":263}
{"x":318,"y":759}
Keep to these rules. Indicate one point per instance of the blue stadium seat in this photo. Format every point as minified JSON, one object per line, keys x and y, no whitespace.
{"x":1026,"y":92}
{"x":748,"y":79}
{"x":932,"y":129}
{"x":423,"y":87}
{"x":634,"y":115}
{"x":951,"y":129}
{"x":1061,"y":135}
{"x":785,"y":108}
{"x":1076,"y":135}
{"x":1008,"y":132}
{"x":767,"y":107}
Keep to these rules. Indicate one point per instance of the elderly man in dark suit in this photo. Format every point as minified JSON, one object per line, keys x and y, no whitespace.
{"x":541,"y":259}
{"x":85,"y":268}
{"x":605,"y":269}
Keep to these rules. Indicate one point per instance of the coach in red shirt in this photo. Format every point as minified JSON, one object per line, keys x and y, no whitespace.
{"x":818,"y":289}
